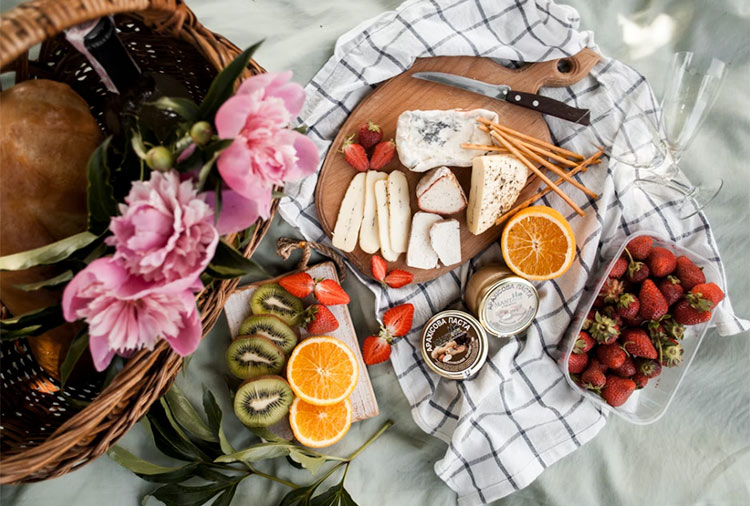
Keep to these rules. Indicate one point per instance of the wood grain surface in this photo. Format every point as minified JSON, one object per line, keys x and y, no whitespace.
{"x":364,"y":404}
{"x":403,"y":93}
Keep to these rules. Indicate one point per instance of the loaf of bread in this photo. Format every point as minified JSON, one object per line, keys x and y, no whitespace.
{"x":47,"y":135}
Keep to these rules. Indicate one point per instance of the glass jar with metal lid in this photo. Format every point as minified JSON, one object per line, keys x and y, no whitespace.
{"x":504,"y":303}
{"x":454,"y":344}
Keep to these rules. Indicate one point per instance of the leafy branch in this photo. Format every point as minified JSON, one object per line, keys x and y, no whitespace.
{"x":211,"y":467}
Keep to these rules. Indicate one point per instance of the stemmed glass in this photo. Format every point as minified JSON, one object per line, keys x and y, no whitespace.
{"x":691,"y":91}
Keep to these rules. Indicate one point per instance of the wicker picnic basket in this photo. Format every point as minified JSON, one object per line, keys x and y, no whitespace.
{"x":46,"y":432}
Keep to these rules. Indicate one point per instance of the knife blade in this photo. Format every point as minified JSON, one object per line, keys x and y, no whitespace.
{"x":503,"y":92}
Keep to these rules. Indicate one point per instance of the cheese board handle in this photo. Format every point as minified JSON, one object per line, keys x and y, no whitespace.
{"x":560,"y":72}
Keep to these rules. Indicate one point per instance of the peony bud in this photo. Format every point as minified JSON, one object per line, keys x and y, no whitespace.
{"x":159,"y":158}
{"x":201,"y":132}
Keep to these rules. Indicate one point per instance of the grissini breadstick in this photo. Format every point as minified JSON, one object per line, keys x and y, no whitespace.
{"x":529,"y":138}
{"x":541,"y":151}
{"x":526,"y":203}
{"x":533,"y":168}
{"x":554,"y":168}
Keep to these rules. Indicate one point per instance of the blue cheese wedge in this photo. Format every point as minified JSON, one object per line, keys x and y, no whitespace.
{"x":496,"y":181}
{"x":428,"y":139}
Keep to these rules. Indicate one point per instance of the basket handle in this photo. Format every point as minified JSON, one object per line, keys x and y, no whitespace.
{"x":35,"y":21}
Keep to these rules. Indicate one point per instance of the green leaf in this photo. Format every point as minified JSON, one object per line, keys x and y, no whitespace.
{"x":217,"y":192}
{"x":181,"y":495}
{"x":225,"y":499}
{"x":299,"y":496}
{"x":49,"y":254}
{"x":266,"y":434}
{"x":101,"y":200}
{"x":206,"y":170}
{"x":75,"y":350}
{"x":301,"y":129}
{"x":214,"y":415}
{"x":136,"y":142}
{"x":166,"y":439}
{"x":175,"y":476}
{"x":229,"y":263}
{"x":183,"y":107}
{"x":186,"y":415}
{"x":309,"y":462}
{"x":47,"y":283}
{"x":32,"y":323}
{"x":222,"y":86}
{"x":258,"y":452}
{"x":136,"y":464}
{"x":277,"y":194}
{"x":334,"y":496}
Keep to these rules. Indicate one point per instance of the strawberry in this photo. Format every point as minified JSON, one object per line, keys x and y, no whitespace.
{"x":378,"y":267}
{"x":628,"y":306}
{"x":300,"y":284}
{"x":705,"y":293}
{"x":584,"y":343}
{"x":577,"y":363}
{"x":604,"y":329}
{"x":610,"y":355}
{"x":640,"y":380}
{"x":619,"y":268}
{"x":671,"y":353}
{"x":369,"y":134}
{"x":398,"y":278}
{"x":593,"y":378}
{"x":638,"y":343}
{"x":318,"y":319}
{"x":686,"y":314}
{"x":398,"y":319}
{"x":375,"y":349}
{"x":611,"y":312}
{"x":330,"y":293}
{"x":653,"y":303}
{"x":661,"y":262}
{"x":640,"y":247}
{"x":672,"y":329}
{"x":617,"y":390}
{"x":634,"y":322}
{"x":589,"y":320}
{"x":637,"y":271}
{"x":355,"y":154}
{"x":688,"y":273}
{"x":648,"y":367}
{"x":671,"y":289}
{"x":611,"y":290}
{"x":626,"y":370}
{"x":383,"y":154}
{"x":657,"y":331}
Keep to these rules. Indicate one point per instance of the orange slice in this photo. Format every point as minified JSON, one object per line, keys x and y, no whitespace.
{"x":538,"y":243}
{"x":319,"y":426}
{"x":322,"y":371}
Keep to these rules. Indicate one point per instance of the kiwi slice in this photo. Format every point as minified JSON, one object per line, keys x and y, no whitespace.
{"x":271,"y":327}
{"x":272,"y":299}
{"x":250,"y":357}
{"x":263,"y":401}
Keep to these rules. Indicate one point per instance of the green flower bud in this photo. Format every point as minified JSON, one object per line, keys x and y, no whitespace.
{"x":159,"y":158}
{"x":201,"y":132}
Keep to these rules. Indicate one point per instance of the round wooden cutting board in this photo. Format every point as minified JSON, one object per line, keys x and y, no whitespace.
{"x":403,"y":93}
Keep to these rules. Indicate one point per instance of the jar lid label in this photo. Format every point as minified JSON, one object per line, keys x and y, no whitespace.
{"x":509,"y":307}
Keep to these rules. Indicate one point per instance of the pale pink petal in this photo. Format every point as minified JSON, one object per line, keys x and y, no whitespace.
{"x":234,"y":167}
{"x":307,"y":158}
{"x":186,"y":340}
{"x":237,"y":212}
{"x":232,"y":115}
{"x":100,"y":352}
{"x":186,"y":153}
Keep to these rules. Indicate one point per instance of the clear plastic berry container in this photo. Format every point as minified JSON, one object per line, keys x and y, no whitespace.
{"x":650,"y":403}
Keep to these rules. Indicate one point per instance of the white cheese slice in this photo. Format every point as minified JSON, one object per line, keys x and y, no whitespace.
{"x":427,"y":139}
{"x":420,"y":254}
{"x":440,"y":192}
{"x":346,"y":231}
{"x":399,"y":211}
{"x":369,"y":240}
{"x":496,"y":181}
{"x":445,"y":239}
{"x":381,"y":204}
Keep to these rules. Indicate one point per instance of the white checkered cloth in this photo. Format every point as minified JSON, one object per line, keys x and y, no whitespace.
{"x":518,"y":415}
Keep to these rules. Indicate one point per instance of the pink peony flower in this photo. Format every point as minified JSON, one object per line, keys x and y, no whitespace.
{"x":264,"y":152}
{"x":126,"y":313}
{"x":165,"y":233}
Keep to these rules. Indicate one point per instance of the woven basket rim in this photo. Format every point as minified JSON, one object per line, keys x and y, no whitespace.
{"x":91,"y":431}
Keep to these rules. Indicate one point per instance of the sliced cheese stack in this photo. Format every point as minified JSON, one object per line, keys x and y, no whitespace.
{"x":440,"y":192}
{"x":496,"y":181}
{"x":369,"y":239}
{"x":427,"y":139}
{"x":349,"y":220}
{"x":445,"y":238}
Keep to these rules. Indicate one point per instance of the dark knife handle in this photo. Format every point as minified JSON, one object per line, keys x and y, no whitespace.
{"x":549,"y":106}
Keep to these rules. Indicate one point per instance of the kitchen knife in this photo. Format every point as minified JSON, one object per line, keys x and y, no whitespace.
{"x":503,"y":92}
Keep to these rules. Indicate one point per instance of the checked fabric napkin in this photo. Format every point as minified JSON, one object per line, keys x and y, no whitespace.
{"x":517,"y":416}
